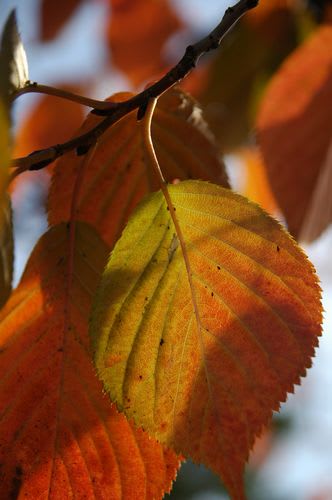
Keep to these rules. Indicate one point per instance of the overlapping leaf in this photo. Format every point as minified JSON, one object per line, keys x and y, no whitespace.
{"x":295,"y":134}
{"x":60,"y":437}
{"x":119,"y":174}
{"x":131,"y":28}
{"x":250,"y":54}
{"x":51,"y":121}
{"x":201,"y":362}
{"x":256,"y":185}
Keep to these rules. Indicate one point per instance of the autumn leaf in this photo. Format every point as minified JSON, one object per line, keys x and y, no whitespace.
{"x":240,"y":71}
{"x":60,"y":437}
{"x":294,"y":132}
{"x":54,"y":15}
{"x":256,"y":184}
{"x":50,"y":121}
{"x":199,"y":347}
{"x":119,"y":174}
{"x":273,"y":19}
{"x":132,"y":26}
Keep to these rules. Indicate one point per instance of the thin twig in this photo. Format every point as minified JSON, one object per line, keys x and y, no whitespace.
{"x":115,"y":111}
{"x":34,"y":87}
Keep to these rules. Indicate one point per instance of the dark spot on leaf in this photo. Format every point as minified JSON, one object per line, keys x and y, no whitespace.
{"x":218,"y":267}
{"x":60,"y":349}
{"x":18,"y":471}
{"x":168,"y":208}
{"x":16,"y":483}
{"x":162,"y":341}
{"x":212,"y":294}
{"x":140,"y":377}
{"x":278,"y":248}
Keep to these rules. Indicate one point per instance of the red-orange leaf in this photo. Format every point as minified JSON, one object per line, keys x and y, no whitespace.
{"x":51,"y":121}
{"x":54,"y":15}
{"x":119,"y":174}
{"x":256,"y":184}
{"x":59,"y":435}
{"x":199,"y":336}
{"x":137,"y":31}
{"x":295,"y":133}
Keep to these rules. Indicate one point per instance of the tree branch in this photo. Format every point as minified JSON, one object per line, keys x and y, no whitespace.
{"x":115,"y":111}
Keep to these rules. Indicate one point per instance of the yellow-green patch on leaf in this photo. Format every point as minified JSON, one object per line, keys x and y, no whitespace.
{"x":202,"y":363}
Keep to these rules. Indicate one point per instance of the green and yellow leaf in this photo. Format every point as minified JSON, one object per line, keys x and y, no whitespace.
{"x":119,"y":173}
{"x":60,"y":437}
{"x":200,"y":346}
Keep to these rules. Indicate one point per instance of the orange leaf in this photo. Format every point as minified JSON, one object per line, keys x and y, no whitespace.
{"x":119,"y":174}
{"x":59,"y":435}
{"x":256,"y":184}
{"x":54,"y":15}
{"x":199,"y":336}
{"x":295,"y":132}
{"x":272,"y":19}
{"x":137,"y":31}
{"x":51,"y":121}
{"x":250,"y":54}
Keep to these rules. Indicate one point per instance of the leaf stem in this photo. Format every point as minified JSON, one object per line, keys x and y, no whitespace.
{"x":172,"y":209}
{"x":115,"y":111}
{"x":34,"y":87}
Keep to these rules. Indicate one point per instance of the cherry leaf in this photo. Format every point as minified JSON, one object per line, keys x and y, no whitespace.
{"x":130,"y":41}
{"x":119,"y":173}
{"x":60,"y":437}
{"x":54,"y":16}
{"x":200,"y":346}
{"x":295,"y":130}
